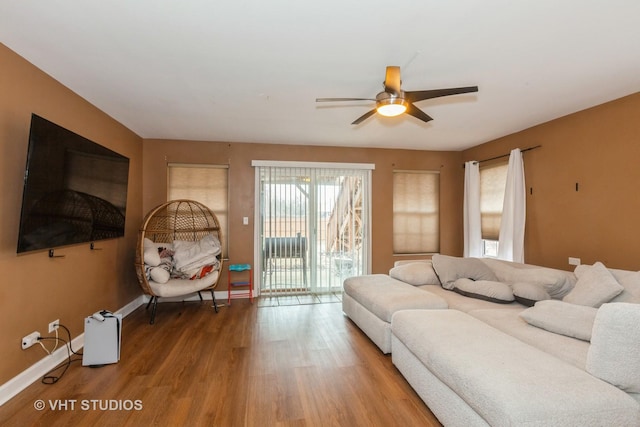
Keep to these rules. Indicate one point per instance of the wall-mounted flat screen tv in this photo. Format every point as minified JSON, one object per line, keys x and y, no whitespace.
{"x":75,"y":190}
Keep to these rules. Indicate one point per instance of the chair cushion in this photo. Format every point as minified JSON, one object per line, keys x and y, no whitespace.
{"x":179,"y":287}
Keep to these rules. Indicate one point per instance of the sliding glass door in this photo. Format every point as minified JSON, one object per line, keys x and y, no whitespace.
{"x":313,"y":229}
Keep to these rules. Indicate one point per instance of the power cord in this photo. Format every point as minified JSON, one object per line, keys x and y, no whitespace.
{"x":54,"y":347}
{"x":49,"y":378}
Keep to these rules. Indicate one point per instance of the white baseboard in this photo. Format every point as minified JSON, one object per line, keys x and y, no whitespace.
{"x":36,"y":371}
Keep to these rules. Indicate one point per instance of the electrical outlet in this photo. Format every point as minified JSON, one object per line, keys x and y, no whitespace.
{"x":30,"y":339}
{"x":574,"y":261}
{"x":54,"y":325}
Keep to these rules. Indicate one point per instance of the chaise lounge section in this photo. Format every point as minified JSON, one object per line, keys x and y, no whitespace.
{"x":471,"y":374}
{"x":370,"y":301}
{"x":518,"y":344}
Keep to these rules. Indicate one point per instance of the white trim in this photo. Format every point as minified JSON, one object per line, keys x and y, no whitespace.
{"x":324,"y":165}
{"x":257,"y":246}
{"x":369,"y":261}
{"x":198,"y":165}
{"x":36,"y":371}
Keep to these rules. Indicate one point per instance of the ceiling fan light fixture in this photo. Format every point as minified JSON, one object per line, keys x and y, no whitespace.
{"x":391,"y":107}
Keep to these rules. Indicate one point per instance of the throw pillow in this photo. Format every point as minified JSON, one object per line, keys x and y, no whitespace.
{"x":594,"y":287}
{"x":630,"y":281}
{"x":415,"y":273}
{"x":529,"y":293}
{"x":449,"y":269}
{"x":615,"y":346}
{"x":562,"y":318}
{"x":159,"y":275}
{"x":485,"y":290}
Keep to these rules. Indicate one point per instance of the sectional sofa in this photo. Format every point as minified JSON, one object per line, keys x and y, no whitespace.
{"x":488,"y":342}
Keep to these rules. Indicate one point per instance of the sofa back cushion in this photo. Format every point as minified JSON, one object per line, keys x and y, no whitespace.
{"x":557,"y":283}
{"x":415,"y":273}
{"x":449,"y":269}
{"x":529,"y":293}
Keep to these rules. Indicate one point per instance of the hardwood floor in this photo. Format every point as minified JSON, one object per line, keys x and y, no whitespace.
{"x":304,"y":365}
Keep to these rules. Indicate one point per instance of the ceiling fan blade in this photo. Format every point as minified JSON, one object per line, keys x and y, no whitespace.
{"x":342,"y":99}
{"x":420,"y":95}
{"x":392,"y":80}
{"x":414,"y":111}
{"x":364,"y":117}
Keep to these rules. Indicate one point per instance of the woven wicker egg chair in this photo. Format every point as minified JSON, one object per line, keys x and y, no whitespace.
{"x":185,"y":220}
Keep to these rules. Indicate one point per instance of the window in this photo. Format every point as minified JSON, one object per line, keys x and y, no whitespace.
{"x":416,"y":212}
{"x":493,"y":179}
{"x":207,"y":184}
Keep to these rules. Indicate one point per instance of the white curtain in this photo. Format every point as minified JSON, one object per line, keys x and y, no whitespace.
{"x":511,"y":243}
{"x":472,"y":226}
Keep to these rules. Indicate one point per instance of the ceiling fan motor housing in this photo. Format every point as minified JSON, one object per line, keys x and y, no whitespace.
{"x":390,"y":104}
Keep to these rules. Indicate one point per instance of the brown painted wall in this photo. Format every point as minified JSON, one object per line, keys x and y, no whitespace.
{"x":35,"y":289}
{"x":157,"y":153}
{"x":599,"y":149}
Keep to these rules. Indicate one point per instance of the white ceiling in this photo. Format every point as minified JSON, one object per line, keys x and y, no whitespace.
{"x":250,"y":70}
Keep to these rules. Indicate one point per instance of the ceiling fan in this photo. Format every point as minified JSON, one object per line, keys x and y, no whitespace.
{"x":393,"y":101}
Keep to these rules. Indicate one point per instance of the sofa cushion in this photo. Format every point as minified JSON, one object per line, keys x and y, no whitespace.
{"x":484,"y":289}
{"x":562,"y":318}
{"x":417,"y":273}
{"x":594,"y":287}
{"x":449,"y":269}
{"x":630,"y":281}
{"x":615,"y":346}
{"x":383,"y":295}
{"x":506,"y":319}
{"x":459,"y":302}
{"x":504,"y":380}
{"x":557,"y":283}
{"x":529,"y":293}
